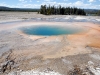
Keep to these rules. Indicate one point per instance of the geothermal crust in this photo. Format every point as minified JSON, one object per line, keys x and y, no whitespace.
{"x":49,"y":55}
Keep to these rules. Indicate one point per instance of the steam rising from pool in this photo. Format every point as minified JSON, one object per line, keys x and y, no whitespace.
{"x":50,"y":30}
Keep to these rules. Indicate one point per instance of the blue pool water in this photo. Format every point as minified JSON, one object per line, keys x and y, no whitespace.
{"x":49,"y":30}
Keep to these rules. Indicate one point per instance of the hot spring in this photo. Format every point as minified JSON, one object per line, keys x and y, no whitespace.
{"x":44,"y":30}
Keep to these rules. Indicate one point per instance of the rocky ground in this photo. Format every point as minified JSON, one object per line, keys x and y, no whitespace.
{"x":21,"y":54}
{"x":17,"y":16}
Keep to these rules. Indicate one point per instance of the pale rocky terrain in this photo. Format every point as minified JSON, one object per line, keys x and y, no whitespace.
{"x":17,"y":16}
{"x":74,"y":54}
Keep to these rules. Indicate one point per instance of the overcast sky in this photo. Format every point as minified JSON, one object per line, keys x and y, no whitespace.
{"x":86,"y":4}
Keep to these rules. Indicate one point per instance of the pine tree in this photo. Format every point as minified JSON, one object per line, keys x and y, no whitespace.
{"x":98,"y":13}
{"x":51,"y":10}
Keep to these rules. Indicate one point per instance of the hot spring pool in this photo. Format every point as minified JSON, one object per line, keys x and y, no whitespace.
{"x":50,"y":30}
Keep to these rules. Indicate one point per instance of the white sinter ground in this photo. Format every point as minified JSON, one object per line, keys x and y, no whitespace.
{"x":32,"y":72}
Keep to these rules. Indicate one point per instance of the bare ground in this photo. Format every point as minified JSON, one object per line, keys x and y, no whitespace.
{"x":21,"y":52}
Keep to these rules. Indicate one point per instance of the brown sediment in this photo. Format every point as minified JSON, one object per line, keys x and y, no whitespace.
{"x":90,"y":38}
{"x":73,"y":44}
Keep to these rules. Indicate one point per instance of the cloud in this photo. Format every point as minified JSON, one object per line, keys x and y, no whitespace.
{"x":21,"y":0}
{"x":29,"y":4}
{"x":65,"y":0}
{"x":3,"y":4}
{"x":38,"y":1}
{"x":30,"y":0}
{"x":25,"y":1}
{"x":79,"y":4}
{"x":91,"y":0}
{"x":47,"y":0}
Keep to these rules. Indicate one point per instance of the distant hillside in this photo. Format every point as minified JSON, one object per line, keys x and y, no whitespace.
{"x":87,"y":11}
{"x":3,"y":8}
{"x":92,"y":11}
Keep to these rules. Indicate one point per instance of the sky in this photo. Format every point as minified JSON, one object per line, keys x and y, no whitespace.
{"x":84,"y":4}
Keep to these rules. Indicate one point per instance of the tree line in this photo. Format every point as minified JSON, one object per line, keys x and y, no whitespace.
{"x":98,"y":13}
{"x":92,"y":12}
{"x":52,"y":10}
